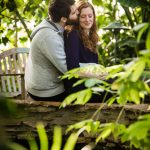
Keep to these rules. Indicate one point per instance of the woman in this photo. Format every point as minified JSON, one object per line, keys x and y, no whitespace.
{"x":80,"y":42}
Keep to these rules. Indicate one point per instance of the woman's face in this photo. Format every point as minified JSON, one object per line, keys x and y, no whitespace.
{"x":86,"y":18}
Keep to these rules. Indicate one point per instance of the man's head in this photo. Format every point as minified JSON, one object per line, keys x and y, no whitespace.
{"x":65,"y":9}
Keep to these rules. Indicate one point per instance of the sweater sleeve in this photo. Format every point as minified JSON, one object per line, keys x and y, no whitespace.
{"x":72,"y":42}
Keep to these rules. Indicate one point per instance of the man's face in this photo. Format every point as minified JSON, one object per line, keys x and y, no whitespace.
{"x":73,"y":17}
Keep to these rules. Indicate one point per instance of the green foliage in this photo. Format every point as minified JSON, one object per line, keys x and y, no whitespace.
{"x":128,"y":86}
{"x":138,"y":133}
{"x":7,"y":107}
{"x":100,"y":131}
{"x":70,"y":144}
{"x":142,"y":28}
{"x":57,"y":141}
{"x":88,"y":71}
{"x":42,"y":136}
{"x":134,"y":3}
{"x":86,"y":125}
{"x":15,"y":146}
{"x":20,"y":14}
{"x":97,"y":2}
{"x":78,"y":98}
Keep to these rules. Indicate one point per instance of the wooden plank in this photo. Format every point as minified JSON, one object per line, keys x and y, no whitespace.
{"x":22,"y":50}
{"x":24,"y":57}
{"x":7,"y":78}
{"x":24,"y":124}
{"x":3,"y":85}
{"x":11,"y":71}
{"x":16,"y":71}
{"x":19,"y":62}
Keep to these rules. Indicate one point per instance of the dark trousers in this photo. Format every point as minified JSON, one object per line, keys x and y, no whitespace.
{"x":58,"y":98}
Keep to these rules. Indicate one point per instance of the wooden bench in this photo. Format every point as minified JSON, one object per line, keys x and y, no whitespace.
{"x":12,"y":69}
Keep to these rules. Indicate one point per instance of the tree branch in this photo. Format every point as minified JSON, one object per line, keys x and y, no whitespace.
{"x":23,"y":23}
{"x":128,"y":14}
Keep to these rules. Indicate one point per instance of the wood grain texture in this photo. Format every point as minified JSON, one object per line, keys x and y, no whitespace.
{"x":24,"y":123}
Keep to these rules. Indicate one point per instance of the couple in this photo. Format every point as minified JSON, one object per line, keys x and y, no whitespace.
{"x":54,"y":51}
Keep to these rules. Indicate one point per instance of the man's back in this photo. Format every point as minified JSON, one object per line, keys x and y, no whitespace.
{"x":47,"y":61}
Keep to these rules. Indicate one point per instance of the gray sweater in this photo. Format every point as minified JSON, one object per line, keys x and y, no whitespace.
{"x":46,"y":61}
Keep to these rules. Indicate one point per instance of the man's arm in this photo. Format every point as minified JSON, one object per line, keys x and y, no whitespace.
{"x":53,"y":46}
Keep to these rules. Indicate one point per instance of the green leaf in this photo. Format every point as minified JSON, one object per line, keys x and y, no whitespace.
{"x":57,"y":138}
{"x":142,"y":31}
{"x":112,"y":70}
{"x":93,"y":126}
{"x":71,"y":141}
{"x":106,"y":130}
{"x":79,"y":82}
{"x":98,"y":89}
{"x":136,"y":131}
{"x":79,"y":98}
{"x":83,"y":97}
{"x":121,"y":100}
{"x":42,"y":136}
{"x":139,"y":26}
{"x":111,"y":100}
{"x":15,"y":146}
{"x":134,"y":95}
{"x":32,"y":143}
{"x":119,"y":130}
{"x":97,"y":2}
{"x":19,"y":3}
{"x":79,"y":125}
{"x":91,"y":82}
{"x":68,"y":100}
{"x":138,"y":68}
{"x":103,"y":135}
{"x":148,"y":39}
{"x":145,"y":53}
{"x":144,"y":117}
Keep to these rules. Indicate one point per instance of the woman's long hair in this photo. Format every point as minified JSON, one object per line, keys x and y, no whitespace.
{"x":90,"y":41}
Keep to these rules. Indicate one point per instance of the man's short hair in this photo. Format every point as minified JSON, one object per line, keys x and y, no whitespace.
{"x":60,"y":8}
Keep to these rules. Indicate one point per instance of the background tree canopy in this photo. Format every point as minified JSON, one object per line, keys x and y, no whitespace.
{"x":18,"y":18}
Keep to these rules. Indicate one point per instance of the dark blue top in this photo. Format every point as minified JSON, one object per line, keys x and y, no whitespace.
{"x":76,"y":52}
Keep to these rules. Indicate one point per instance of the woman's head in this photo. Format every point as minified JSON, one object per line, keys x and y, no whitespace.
{"x":86,"y":19}
{"x":87,"y":25}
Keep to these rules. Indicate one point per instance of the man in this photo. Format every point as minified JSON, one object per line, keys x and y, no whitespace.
{"x":47,"y":59}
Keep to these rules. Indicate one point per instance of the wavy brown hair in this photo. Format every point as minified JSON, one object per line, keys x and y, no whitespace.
{"x":90,"y":41}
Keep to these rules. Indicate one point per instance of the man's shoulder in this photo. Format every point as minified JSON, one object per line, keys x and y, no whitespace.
{"x":44,"y":27}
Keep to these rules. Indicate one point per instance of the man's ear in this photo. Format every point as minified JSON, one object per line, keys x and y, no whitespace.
{"x":63,"y":19}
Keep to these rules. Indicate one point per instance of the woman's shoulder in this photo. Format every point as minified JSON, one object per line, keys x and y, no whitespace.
{"x":74,"y":32}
